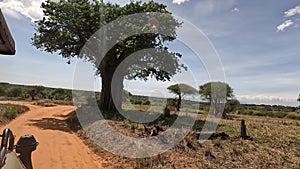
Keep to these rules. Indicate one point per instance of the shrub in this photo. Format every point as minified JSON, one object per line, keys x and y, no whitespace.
{"x":260,"y":114}
{"x":279,"y":115}
{"x":2,"y":92}
{"x":250,"y":112}
{"x":135,"y":101}
{"x":167,"y":112}
{"x":231,"y":106}
{"x":14,"y":92}
{"x":292,"y":116}
{"x":10,"y":114}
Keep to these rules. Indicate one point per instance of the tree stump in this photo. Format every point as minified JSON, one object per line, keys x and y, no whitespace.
{"x":243,"y":130}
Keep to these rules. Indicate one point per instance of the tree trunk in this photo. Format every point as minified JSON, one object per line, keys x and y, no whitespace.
{"x":111,"y":92}
{"x":179,"y":102}
{"x":32,"y":96}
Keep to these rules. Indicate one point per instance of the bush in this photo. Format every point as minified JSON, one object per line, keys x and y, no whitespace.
{"x":231,"y":106}
{"x":271,"y":114}
{"x":260,"y":114}
{"x":2,"y":92}
{"x":14,"y":92}
{"x":44,"y":103}
{"x":10,"y":112}
{"x":292,"y":116}
{"x":250,"y":112}
{"x":135,"y":101}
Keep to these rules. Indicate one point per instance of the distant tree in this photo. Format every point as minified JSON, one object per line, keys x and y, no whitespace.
{"x":181,"y":90}
{"x":2,"y":92}
{"x":35,"y":91}
{"x":218,"y":96}
{"x":68,"y":24}
{"x":61,"y":94}
{"x":14,"y":92}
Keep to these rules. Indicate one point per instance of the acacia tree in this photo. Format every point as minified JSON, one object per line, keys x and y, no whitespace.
{"x":68,"y":24}
{"x":217,"y":93}
{"x":181,"y":90}
{"x":34,"y":91}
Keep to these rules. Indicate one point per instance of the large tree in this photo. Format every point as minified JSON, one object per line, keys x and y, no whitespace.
{"x":181,"y":90}
{"x":217,"y":93}
{"x":68,"y":24}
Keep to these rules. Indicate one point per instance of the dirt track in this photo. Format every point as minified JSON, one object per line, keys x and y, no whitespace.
{"x":58,"y":147}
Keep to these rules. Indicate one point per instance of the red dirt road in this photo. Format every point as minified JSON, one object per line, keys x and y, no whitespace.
{"x":58,"y":147}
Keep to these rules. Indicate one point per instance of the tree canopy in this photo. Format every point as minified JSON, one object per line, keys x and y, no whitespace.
{"x":34,"y":91}
{"x":217,"y":93}
{"x":181,"y":90}
{"x":69,"y":24}
{"x":222,"y":91}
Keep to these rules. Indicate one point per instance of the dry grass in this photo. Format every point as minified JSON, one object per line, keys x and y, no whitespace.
{"x":275,"y":144}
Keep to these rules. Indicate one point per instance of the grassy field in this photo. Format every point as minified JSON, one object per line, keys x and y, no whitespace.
{"x":274,"y":143}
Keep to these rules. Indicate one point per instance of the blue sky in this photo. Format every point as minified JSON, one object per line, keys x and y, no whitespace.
{"x":257,"y":42}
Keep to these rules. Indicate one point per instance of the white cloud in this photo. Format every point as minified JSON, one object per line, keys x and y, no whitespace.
{"x":267,"y":99}
{"x":235,"y":9}
{"x":292,"y":11}
{"x":288,"y":14}
{"x":284,"y":25}
{"x":179,"y":1}
{"x":209,"y":7}
{"x":18,"y":8}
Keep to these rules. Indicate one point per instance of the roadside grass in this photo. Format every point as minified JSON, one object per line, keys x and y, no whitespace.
{"x":9,"y":112}
{"x":275,"y":144}
{"x":51,"y":103}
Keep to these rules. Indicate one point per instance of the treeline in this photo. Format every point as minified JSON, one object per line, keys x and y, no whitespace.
{"x":65,"y":96}
{"x":277,"y":111}
{"x":231,"y":106}
{"x":22,"y":92}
